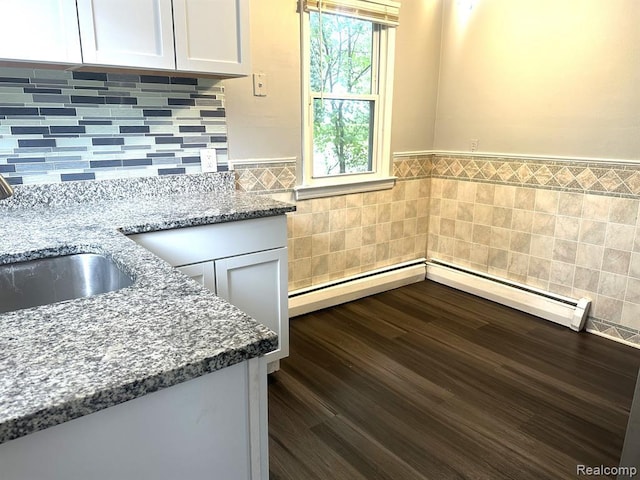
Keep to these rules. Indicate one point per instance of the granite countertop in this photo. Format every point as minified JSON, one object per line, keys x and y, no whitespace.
{"x":69,"y":359}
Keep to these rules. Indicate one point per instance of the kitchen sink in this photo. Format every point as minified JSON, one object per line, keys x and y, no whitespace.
{"x":50,"y":280}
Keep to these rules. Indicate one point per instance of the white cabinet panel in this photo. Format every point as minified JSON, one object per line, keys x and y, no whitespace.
{"x":256,"y":284}
{"x":134,"y":33}
{"x":212,"y":35}
{"x":244,"y":262}
{"x":40,"y":31}
{"x":203,"y":273}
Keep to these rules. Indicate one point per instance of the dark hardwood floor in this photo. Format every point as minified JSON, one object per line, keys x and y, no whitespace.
{"x":425,"y":382}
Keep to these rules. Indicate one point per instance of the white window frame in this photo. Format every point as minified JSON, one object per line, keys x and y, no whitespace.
{"x":380,"y":177}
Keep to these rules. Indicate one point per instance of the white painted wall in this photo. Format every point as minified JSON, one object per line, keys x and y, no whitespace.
{"x":416,"y":75}
{"x":270,"y":127}
{"x":542,"y":77}
{"x":528,"y":77}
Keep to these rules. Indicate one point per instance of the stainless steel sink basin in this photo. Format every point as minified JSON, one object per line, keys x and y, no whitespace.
{"x":51,"y":280}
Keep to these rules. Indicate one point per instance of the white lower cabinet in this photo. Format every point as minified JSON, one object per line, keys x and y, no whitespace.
{"x":211,"y":427}
{"x":244,"y":262}
{"x":253,"y":283}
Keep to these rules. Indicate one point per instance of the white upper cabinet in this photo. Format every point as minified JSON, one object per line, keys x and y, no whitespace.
{"x":39,"y":31}
{"x":212,"y":35}
{"x":128,"y":33}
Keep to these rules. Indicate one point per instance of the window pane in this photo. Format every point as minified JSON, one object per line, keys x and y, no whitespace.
{"x":342,"y":136}
{"x":341,"y":55}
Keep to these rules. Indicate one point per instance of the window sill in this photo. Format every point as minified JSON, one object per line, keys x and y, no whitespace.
{"x":306,"y":192}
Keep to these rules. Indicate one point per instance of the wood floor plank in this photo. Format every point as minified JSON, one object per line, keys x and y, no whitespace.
{"x":296,"y":407}
{"x":383,"y":415}
{"x":306,"y":456}
{"x":426,"y":382}
{"x":368,"y":456}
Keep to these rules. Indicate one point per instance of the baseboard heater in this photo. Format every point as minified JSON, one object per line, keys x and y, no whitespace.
{"x":550,"y":306}
{"x":351,"y":288}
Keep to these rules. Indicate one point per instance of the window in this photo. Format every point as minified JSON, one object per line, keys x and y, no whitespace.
{"x":347,"y":84}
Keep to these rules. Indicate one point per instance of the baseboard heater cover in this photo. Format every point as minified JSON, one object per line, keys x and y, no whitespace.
{"x":563,"y":310}
{"x":358,"y":286}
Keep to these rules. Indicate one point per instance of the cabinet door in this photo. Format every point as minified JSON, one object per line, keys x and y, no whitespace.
{"x":203,"y":273}
{"x":40,"y":30}
{"x":132,"y":33}
{"x":256,"y":283}
{"x":212,"y":36}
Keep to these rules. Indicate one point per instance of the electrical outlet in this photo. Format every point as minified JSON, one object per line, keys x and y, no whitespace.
{"x":208,"y":160}
{"x":473,"y":144}
{"x":260,"y":84}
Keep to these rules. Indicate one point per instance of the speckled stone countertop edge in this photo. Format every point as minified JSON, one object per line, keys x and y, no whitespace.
{"x":82,"y":192}
{"x":204,"y":220}
{"x":79,"y":407}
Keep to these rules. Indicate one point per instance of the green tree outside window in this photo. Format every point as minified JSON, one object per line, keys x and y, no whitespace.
{"x":343,"y":89}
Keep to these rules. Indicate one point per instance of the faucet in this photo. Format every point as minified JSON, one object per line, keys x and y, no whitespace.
{"x":5,"y":189}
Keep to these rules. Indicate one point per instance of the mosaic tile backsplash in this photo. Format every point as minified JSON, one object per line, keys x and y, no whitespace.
{"x":60,"y":126}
